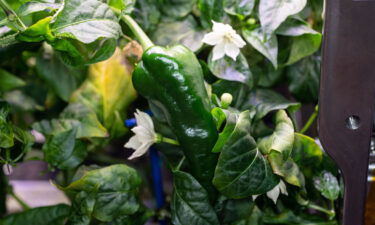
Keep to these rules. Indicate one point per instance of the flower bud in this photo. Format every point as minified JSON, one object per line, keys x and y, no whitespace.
{"x":226,"y":100}
{"x":7,"y":169}
{"x":251,"y":21}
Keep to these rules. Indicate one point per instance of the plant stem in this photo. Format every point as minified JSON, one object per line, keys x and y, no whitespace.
{"x":330,"y":213}
{"x":7,"y":155}
{"x":169,"y":141}
{"x":3,"y":192}
{"x":138,"y":32}
{"x":160,"y":139}
{"x":310,"y":121}
{"x":178,"y":167}
{"x":12,"y":16}
{"x":23,"y":204}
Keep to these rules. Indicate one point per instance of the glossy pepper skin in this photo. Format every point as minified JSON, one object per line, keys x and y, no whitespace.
{"x":172,"y":79}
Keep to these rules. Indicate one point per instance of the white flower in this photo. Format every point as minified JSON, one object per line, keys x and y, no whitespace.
{"x":7,"y":169}
{"x":226,"y":41}
{"x":144,"y":137}
{"x":275,"y":192}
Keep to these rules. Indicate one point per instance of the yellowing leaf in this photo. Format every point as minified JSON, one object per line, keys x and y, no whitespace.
{"x":108,"y":90}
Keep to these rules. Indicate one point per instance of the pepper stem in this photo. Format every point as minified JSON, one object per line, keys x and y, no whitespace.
{"x":160,"y":139}
{"x":138,"y":32}
{"x":12,"y":16}
{"x":170,"y":141}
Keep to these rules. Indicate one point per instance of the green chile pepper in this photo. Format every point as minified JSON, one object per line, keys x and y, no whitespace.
{"x":172,"y":79}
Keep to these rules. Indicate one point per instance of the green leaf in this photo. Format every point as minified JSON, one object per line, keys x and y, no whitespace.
{"x":22,"y":101}
{"x":210,"y":10}
{"x":126,"y":6}
{"x":6,"y":134}
{"x":328,"y":185}
{"x":112,"y":190}
{"x":64,"y":151}
{"x":190,"y":204}
{"x":8,"y":40}
{"x":231,"y":121}
{"x":307,"y":154}
{"x":6,"y":129}
{"x":9,"y":81}
{"x":242,"y":170}
{"x":75,"y":53}
{"x":278,"y":146}
{"x":75,"y":21}
{"x":83,"y":36}
{"x":289,"y":217}
{"x":185,"y":32}
{"x":36,"y":6}
{"x":303,"y":46}
{"x":255,"y":218}
{"x":260,"y":129}
{"x":305,"y":40}
{"x":267,"y":75}
{"x":219,"y":116}
{"x":293,"y":27}
{"x":82,"y":208}
{"x":75,"y":115}
{"x":304,"y":79}
{"x":89,"y":124}
{"x":266,"y":101}
{"x":230,"y":211}
{"x":139,"y":218}
{"x":4,"y":110}
{"x":25,"y":138}
{"x":286,"y":168}
{"x":241,"y":8}
{"x":233,"y":70}
{"x":62,"y":78}
{"x":177,"y":8}
{"x":37,"y":32}
{"x":282,"y":138}
{"x":264,"y":43}
{"x":48,"y":215}
{"x":273,"y":12}
{"x":86,"y":128}
{"x":147,"y":14}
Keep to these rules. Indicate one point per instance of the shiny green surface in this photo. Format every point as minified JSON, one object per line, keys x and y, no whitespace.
{"x":172,"y":79}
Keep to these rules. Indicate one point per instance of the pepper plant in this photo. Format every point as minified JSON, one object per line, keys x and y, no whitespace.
{"x":224,"y":80}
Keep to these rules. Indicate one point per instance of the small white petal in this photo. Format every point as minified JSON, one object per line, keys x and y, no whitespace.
{"x":237,"y":40}
{"x":143,"y":134}
{"x":274,"y":193}
{"x":218,"y":52}
{"x":140,"y":151}
{"x":212,"y":38}
{"x":282,"y":187}
{"x":219,"y":27}
{"x":7,"y":169}
{"x":232,"y":50}
{"x":133,"y":143}
{"x":254,"y":197}
{"x":144,"y":120}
